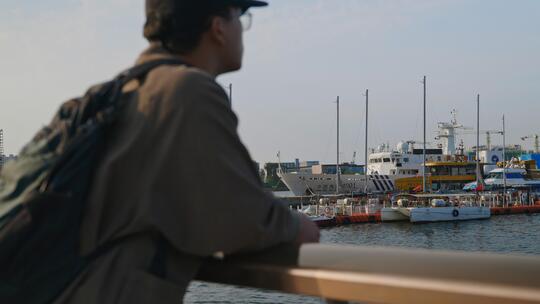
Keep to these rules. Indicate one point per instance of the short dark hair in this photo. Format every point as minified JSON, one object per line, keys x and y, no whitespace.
{"x":180,"y":28}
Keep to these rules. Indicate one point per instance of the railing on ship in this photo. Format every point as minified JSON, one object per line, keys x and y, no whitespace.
{"x":344,"y":274}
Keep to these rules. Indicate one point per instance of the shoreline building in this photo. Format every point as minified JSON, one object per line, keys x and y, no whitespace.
{"x":3,"y":157}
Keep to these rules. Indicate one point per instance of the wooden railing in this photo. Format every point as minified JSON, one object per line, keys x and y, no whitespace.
{"x":384,"y":275}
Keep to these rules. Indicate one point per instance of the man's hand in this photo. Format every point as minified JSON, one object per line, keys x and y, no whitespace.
{"x":309,"y":232}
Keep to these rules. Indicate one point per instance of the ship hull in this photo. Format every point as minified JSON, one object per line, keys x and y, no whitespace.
{"x":443,"y":214}
{"x":308,"y":184}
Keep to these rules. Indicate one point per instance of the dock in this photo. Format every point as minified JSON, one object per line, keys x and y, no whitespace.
{"x":331,"y":218}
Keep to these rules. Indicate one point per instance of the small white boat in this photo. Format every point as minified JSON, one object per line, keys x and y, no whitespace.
{"x":423,"y":208}
{"x":445,"y":214}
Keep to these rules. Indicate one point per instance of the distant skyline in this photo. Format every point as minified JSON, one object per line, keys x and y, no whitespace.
{"x":299,"y":56}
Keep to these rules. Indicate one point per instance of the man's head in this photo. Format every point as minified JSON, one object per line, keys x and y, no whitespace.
{"x":205,"y":26}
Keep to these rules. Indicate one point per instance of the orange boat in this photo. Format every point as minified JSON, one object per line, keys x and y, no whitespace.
{"x":515,"y":210}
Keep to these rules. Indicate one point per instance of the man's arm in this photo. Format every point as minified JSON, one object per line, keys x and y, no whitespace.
{"x":225,"y":207}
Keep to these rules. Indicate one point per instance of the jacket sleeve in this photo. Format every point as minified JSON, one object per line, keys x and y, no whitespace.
{"x":212,"y":181}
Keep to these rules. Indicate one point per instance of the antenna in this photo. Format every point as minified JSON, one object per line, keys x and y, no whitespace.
{"x":454,"y":117}
{"x":279,"y":161}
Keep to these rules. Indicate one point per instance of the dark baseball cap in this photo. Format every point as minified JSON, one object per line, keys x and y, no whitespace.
{"x":197,"y":6}
{"x":162,"y":16}
{"x":246,"y":3}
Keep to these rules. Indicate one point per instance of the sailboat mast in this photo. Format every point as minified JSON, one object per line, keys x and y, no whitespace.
{"x":337,"y":148}
{"x":424,"y":152}
{"x":477,"y":140}
{"x":366,"y":144}
{"x":504,"y":160}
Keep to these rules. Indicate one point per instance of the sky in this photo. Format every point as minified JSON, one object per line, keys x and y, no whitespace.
{"x":300,"y":55}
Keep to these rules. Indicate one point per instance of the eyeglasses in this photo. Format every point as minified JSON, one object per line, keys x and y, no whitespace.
{"x":246,"y":19}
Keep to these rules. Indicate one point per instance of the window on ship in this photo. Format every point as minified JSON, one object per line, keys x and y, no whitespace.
{"x":496,"y":175}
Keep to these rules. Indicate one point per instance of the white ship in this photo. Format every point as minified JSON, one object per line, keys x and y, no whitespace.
{"x":314,"y":180}
{"x":408,"y":161}
{"x":383,"y":168}
{"x":404,"y":161}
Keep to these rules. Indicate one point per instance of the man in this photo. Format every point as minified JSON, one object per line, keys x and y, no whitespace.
{"x":175,"y":173}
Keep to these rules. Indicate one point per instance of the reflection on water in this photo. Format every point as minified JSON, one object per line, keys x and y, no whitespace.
{"x":516,"y":234}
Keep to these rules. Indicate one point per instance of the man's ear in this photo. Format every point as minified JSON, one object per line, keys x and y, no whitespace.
{"x":217,"y":30}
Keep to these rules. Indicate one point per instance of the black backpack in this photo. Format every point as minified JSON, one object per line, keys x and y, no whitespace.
{"x":43,"y":192}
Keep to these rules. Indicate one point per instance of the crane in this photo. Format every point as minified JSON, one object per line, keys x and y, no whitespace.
{"x":488,"y":134}
{"x":536,"y":142}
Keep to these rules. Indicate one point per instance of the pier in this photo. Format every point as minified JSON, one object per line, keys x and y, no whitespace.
{"x":345,"y":211}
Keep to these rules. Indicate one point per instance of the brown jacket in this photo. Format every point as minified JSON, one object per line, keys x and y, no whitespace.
{"x":174,"y":164}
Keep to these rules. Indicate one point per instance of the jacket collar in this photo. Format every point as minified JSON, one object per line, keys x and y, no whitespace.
{"x":155,"y":52}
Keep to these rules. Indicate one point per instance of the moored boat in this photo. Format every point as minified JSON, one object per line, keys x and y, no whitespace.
{"x":435,"y":208}
{"x":512,"y":174}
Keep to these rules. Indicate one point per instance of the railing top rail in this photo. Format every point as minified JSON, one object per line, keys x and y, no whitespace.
{"x":452,"y":265}
{"x":386,"y":275}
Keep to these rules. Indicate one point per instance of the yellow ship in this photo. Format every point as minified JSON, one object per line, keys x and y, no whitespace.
{"x":441,"y":175}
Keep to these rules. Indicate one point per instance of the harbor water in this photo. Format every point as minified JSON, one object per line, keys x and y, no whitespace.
{"x":512,"y":234}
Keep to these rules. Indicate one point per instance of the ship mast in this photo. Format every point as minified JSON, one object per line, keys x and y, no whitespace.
{"x":477,"y":141}
{"x":337,"y":148}
{"x":366,"y":145}
{"x":504,"y":160}
{"x":424,"y":152}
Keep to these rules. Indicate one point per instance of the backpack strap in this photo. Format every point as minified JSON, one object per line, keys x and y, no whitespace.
{"x":137,"y":71}
{"x":142,"y":69}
